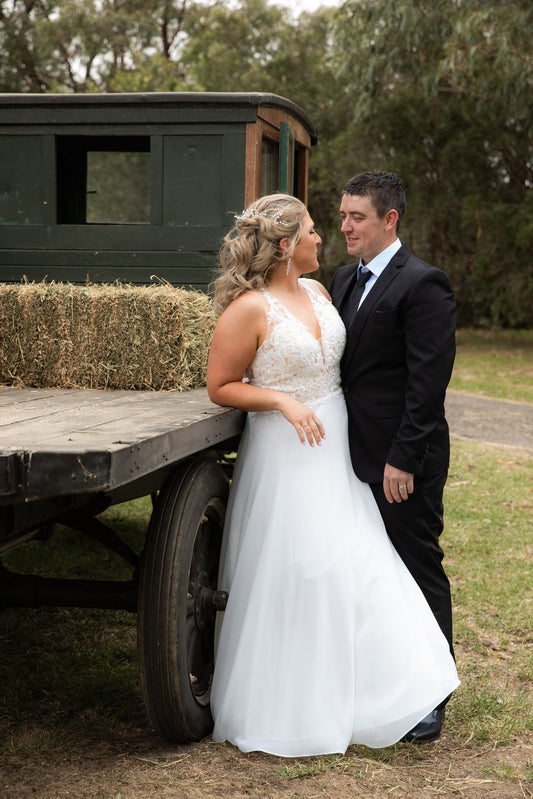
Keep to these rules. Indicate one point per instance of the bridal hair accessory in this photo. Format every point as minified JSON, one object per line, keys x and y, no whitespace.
{"x":251,"y":213}
{"x":288,"y":265}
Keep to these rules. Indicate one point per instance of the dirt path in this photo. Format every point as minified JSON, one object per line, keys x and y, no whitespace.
{"x":138,"y":765}
{"x":498,"y":422}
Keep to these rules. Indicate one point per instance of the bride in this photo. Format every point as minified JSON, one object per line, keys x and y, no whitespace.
{"x":326,"y":639}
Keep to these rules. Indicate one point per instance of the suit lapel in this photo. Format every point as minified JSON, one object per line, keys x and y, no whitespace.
{"x":389,"y":274}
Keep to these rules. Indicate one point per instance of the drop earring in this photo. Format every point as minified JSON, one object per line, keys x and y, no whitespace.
{"x":288,"y":266}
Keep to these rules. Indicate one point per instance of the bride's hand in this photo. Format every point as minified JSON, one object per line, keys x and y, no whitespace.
{"x":305,"y":422}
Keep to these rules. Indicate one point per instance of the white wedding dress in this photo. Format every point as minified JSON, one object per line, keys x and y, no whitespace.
{"x":326,"y":640}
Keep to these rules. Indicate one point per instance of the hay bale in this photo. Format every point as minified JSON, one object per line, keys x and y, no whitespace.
{"x":104,"y":336}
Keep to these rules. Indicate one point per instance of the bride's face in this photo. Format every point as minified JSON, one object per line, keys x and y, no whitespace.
{"x":305,"y":256}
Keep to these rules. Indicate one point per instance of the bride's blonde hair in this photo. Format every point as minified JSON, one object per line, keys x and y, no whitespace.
{"x":251,"y":250}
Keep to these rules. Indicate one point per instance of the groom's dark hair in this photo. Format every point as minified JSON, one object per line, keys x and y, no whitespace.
{"x":385,"y":190}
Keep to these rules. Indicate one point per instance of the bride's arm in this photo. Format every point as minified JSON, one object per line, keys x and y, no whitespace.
{"x":239,"y":332}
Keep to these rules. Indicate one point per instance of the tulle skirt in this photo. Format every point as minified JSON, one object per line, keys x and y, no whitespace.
{"x":326,"y":640}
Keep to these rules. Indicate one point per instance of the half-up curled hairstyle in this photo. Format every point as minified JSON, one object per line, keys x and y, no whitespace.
{"x":251,"y":251}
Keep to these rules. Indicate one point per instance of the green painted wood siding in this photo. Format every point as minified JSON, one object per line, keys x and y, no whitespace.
{"x":75,"y":172}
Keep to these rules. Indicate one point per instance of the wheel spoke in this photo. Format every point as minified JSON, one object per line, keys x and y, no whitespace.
{"x":212,"y":529}
{"x":201,"y":546}
{"x":200,"y":667}
{"x":190,"y":606}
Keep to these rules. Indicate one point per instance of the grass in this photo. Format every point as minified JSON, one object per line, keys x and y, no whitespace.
{"x":495,"y":363}
{"x":70,"y":676}
{"x":489,"y":502}
{"x":63,"y":667}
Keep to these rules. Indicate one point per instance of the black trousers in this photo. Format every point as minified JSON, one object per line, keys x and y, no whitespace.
{"x":414,"y":528}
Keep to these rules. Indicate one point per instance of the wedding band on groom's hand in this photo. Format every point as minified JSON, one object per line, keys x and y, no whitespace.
{"x":404,"y":486}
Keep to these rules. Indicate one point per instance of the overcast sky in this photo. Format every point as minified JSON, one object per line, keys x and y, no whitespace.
{"x":305,"y":5}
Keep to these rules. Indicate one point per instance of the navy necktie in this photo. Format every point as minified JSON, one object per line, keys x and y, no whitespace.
{"x":357,"y":292}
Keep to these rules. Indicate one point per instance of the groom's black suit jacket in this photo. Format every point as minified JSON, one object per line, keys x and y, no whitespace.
{"x":396,"y":366}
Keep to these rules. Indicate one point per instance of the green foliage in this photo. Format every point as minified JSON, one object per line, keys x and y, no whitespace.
{"x":438,"y":91}
{"x":441,"y":98}
{"x":119,"y":187}
{"x":233,"y":48}
{"x":84,"y":45}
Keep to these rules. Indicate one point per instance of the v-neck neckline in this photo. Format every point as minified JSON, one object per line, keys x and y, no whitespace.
{"x":293,"y":315}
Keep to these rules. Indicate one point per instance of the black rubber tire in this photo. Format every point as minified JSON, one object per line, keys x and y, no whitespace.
{"x":176,"y":616}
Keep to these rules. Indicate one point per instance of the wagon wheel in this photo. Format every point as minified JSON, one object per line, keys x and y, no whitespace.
{"x":178,"y":600}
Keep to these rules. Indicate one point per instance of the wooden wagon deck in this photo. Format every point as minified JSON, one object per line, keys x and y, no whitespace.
{"x":61,"y":441}
{"x":66,"y":455}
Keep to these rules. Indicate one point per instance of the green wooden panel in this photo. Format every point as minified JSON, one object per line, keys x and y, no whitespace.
{"x":21,"y":172}
{"x":49,"y":186}
{"x":129,"y":238}
{"x":200,"y":277}
{"x":88,"y":128}
{"x":129,"y":259}
{"x":196,"y":182}
{"x":49,"y":119}
{"x":156,"y":182}
{"x":286,"y":158}
{"x":193,"y":191}
{"x":234,"y":177}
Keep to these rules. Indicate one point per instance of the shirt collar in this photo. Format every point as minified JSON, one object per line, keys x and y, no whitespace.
{"x":378,"y":264}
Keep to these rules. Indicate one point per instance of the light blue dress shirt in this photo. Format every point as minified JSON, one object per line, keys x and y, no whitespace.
{"x":377,"y":265}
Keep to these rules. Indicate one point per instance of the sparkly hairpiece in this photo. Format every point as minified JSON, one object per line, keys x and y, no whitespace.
{"x":250,"y":213}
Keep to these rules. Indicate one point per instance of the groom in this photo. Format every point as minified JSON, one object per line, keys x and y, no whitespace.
{"x":399,"y":314}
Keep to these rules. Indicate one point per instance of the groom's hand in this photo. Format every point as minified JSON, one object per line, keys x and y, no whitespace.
{"x":397,"y":485}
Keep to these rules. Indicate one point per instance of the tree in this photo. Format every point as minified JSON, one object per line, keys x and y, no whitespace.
{"x":441,"y":92}
{"x":85,"y":45}
{"x":435,"y":90}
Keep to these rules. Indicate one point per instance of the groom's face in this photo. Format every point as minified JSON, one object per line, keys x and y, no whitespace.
{"x":366,"y":234}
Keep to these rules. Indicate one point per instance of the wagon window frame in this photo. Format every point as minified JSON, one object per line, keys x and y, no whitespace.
{"x":271,"y":126}
{"x":73,"y":176}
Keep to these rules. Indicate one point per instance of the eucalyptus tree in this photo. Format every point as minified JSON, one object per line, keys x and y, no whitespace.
{"x":440,"y":91}
{"x":84,"y":45}
{"x":436,"y":90}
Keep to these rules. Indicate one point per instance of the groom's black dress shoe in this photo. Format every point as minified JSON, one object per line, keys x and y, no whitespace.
{"x":426,"y":730}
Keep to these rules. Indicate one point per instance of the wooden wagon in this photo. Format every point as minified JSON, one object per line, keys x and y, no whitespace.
{"x":125,"y":186}
{"x":67,"y":455}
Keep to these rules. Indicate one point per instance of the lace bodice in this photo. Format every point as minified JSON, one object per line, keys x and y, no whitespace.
{"x":291,"y":359}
